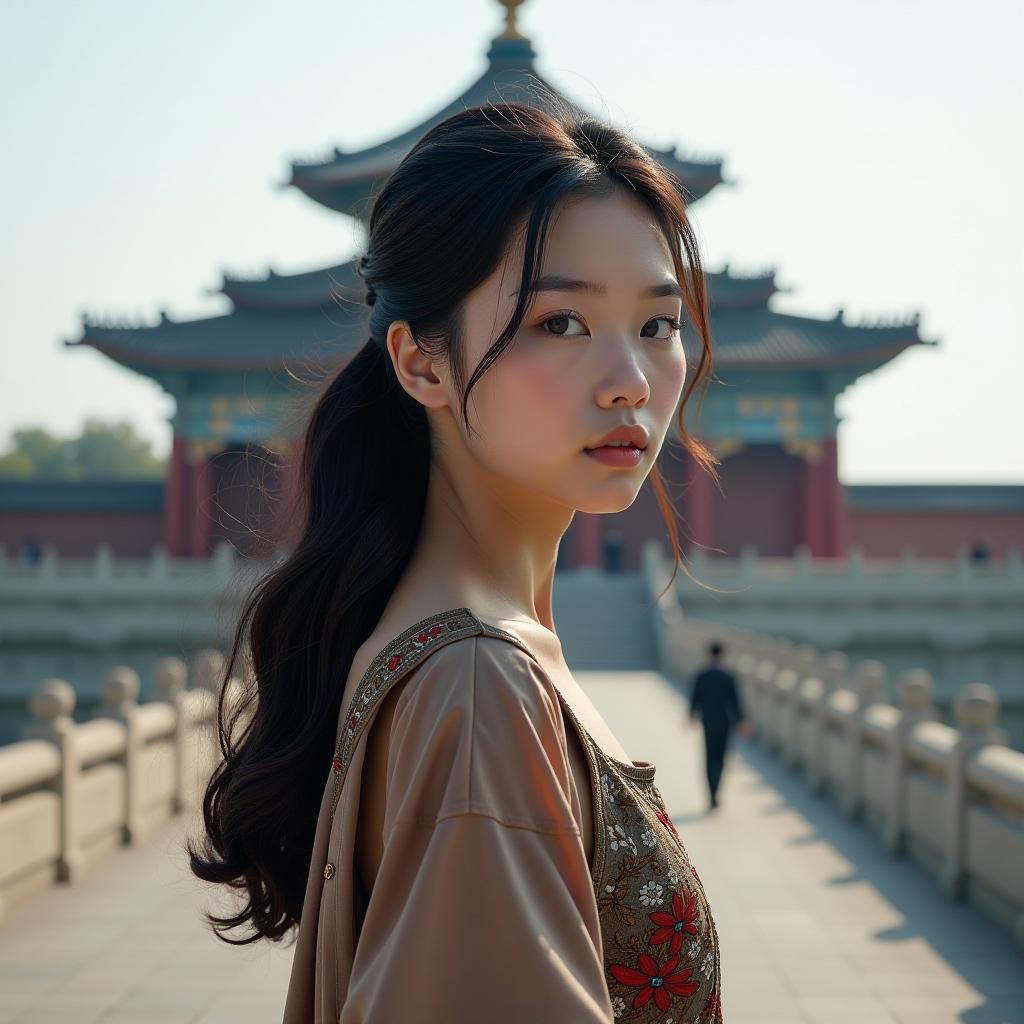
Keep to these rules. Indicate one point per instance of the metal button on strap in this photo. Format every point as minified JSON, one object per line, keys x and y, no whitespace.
{"x":328,"y":869}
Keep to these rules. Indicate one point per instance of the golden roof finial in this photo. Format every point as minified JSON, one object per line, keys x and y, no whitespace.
{"x":511,"y":28}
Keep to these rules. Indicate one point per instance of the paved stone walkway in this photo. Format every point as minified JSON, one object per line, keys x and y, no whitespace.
{"x":818,"y":925}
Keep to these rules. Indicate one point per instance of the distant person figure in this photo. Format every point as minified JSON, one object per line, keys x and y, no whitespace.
{"x":613,"y":544}
{"x":31,"y":552}
{"x":716,"y":700}
{"x":979,"y":552}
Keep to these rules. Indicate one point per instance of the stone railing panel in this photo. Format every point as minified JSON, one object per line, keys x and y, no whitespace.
{"x":100,"y":798}
{"x":26,"y":765}
{"x":70,"y":792}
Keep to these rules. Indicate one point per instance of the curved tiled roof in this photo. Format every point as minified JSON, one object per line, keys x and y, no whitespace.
{"x":259,"y":338}
{"x":763,"y":338}
{"x":312,"y":288}
{"x":345,"y":181}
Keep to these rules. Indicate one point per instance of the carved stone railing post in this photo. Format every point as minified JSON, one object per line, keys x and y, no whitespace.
{"x":784,"y":652}
{"x":159,"y":568}
{"x":48,"y":564}
{"x":832,"y":667}
{"x":784,"y":657}
{"x":915,"y":690}
{"x":806,"y":662}
{"x":208,"y":669}
{"x":103,"y":562}
{"x":976,"y":708}
{"x":51,"y":703}
{"x":746,"y":671}
{"x":787,"y":713}
{"x":119,"y":694}
{"x":764,"y":676}
{"x":812,"y":730}
{"x":869,"y":688}
{"x":170,"y":677}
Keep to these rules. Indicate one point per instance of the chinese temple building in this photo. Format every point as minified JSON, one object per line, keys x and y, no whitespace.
{"x":773,"y":425}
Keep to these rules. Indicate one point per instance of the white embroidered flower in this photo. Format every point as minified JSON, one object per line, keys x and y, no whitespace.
{"x":651,"y":894}
{"x":648,"y":837}
{"x":607,"y":785}
{"x":618,"y":1006}
{"x":673,"y":876}
{"x":706,"y":964}
{"x":693,"y":948}
{"x":620,"y":838}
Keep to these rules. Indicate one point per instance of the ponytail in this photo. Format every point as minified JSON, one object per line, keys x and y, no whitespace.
{"x":363,"y":478}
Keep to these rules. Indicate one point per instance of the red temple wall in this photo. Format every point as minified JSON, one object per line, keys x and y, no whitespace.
{"x":76,"y":534}
{"x":932,"y":534}
{"x":935,"y":534}
{"x":761,"y":502}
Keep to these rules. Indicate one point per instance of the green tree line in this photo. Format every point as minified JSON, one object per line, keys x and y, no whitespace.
{"x":102,"y":450}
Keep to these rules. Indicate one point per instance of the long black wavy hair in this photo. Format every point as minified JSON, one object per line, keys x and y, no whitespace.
{"x":438,"y":227}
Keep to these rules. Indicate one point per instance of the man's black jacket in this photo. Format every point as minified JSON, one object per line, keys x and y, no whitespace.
{"x":716,"y":698}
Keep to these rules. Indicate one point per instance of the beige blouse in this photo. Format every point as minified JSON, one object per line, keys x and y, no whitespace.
{"x":485,"y":907}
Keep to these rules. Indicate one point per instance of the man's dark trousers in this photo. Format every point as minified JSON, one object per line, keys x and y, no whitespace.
{"x":716,"y":740}
{"x":716,"y":699}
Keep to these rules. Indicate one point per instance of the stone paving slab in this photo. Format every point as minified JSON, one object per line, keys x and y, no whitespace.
{"x":818,"y":925}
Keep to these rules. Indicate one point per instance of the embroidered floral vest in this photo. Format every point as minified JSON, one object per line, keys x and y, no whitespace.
{"x":660,"y":945}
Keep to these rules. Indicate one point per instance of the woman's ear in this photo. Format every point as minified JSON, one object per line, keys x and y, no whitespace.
{"x":414,"y":368}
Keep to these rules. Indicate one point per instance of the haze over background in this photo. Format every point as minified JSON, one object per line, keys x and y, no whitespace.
{"x":876,"y":148}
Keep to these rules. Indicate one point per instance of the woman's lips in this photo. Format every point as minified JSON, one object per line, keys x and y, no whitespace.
{"x":618,"y":455}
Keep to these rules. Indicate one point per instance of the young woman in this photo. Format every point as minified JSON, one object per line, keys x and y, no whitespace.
{"x":423,"y":788}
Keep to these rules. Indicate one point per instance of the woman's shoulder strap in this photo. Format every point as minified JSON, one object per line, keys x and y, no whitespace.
{"x":399,"y":657}
{"x":418,"y":641}
{"x":405,"y":651}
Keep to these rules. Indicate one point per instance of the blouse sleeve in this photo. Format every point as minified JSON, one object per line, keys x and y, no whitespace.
{"x":483,"y":907}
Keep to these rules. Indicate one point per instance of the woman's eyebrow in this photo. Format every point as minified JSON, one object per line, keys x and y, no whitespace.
{"x":560,"y":283}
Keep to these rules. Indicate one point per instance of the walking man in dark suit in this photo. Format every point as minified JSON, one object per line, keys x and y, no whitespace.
{"x":716,"y":700}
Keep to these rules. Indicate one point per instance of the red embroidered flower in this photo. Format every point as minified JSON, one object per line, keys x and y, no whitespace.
{"x":336,"y":763}
{"x":353,"y":720}
{"x":435,"y":630}
{"x":423,"y":638}
{"x":667,"y":822}
{"x":656,"y":981}
{"x":673,"y":925}
{"x":394,"y":661}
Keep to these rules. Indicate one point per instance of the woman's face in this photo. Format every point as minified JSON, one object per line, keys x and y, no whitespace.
{"x":583,"y":361}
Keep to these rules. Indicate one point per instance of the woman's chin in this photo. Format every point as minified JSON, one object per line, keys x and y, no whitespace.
{"x":608,"y":503}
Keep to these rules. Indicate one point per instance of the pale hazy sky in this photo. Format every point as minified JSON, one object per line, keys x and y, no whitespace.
{"x":876,"y":148}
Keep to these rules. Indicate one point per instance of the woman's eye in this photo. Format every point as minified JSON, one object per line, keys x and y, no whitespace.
{"x":673,"y":326}
{"x":564,"y":320}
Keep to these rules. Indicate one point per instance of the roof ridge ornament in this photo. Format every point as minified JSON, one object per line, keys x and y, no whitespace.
{"x":511,"y":28}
